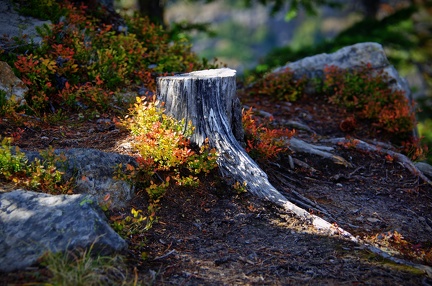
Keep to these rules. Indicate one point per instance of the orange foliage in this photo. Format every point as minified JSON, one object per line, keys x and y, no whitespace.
{"x":263,"y":142}
{"x":80,"y":56}
{"x":366,"y":92}
{"x":280,"y":86}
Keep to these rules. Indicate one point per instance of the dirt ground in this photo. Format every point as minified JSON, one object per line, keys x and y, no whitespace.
{"x":214,"y":236}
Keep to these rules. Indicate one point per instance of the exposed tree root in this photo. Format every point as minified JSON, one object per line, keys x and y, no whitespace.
{"x":301,"y":146}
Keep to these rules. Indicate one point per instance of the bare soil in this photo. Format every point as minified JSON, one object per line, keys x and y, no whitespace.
{"x":212,"y":235}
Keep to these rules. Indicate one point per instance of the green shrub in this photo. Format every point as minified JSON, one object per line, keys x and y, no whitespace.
{"x":163,"y":145}
{"x":40,"y":174}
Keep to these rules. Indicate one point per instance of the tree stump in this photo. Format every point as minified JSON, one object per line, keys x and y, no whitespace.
{"x":207,"y":99}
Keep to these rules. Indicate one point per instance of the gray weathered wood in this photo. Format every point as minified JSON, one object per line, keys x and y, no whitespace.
{"x":208,"y":100}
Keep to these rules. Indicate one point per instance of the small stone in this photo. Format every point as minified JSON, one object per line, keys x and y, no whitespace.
{"x":372,"y":220}
{"x":15,"y":89}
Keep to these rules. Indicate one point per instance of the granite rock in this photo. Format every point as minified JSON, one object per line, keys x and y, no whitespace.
{"x":94,"y":171}
{"x":350,"y":57}
{"x":33,"y":223}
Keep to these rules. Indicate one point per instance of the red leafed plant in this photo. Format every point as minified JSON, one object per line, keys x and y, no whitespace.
{"x":366,"y":92}
{"x":263,"y":142}
{"x":80,"y":50}
{"x":280,"y":86}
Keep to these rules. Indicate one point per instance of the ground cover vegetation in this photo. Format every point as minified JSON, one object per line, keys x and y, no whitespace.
{"x":85,"y":67}
{"x":364,"y":95}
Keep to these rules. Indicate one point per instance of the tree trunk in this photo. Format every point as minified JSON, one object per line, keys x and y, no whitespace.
{"x":154,"y":9}
{"x":207,"y":99}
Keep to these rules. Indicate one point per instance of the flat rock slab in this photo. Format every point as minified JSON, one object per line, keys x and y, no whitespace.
{"x":32,"y":223}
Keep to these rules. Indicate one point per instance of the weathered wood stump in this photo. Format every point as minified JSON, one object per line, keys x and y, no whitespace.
{"x":207,"y":99}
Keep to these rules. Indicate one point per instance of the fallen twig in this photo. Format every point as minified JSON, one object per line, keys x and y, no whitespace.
{"x":173,"y":251}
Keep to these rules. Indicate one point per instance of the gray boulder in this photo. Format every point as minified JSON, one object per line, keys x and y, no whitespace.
{"x":350,"y":57}
{"x":32,"y":223}
{"x":94,"y":173}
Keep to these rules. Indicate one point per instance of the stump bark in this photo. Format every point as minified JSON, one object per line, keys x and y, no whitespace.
{"x":207,"y":100}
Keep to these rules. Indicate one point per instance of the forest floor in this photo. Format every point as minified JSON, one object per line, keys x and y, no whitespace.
{"x":214,"y":236}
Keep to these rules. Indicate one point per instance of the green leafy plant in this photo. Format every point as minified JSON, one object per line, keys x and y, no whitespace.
{"x":134,"y":223}
{"x":163,"y":147}
{"x":165,"y":155}
{"x":40,"y":174}
{"x":11,"y":162}
{"x":240,"y":187}
{"x":7,"y":105}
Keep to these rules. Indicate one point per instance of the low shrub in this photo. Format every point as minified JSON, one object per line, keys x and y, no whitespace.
{"x":165,"y":154}
{"x":83,"y":63}
{"x":280,"y":86}
{"x":366,"y":93}
{"x":40,"y":174}
{"x":263,"y":143}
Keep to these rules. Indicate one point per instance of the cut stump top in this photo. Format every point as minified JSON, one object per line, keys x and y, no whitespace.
{"x":223,"y":72}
